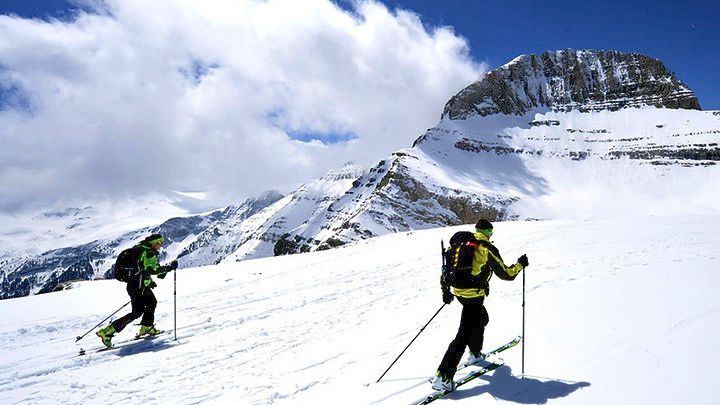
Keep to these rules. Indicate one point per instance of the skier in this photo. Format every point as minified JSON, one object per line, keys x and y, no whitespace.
{"x":139,"y":287}
{"x":474,"y":317}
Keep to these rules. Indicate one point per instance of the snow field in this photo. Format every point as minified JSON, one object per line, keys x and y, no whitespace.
{"x":618,"y":310}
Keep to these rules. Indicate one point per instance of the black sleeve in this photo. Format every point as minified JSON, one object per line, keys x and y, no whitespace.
{"x":498,"y":265}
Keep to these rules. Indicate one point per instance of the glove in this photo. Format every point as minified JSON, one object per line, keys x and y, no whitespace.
{"x":149,"y":283}
{"x":173,"y":265}
{"x":162,"y":275}
{"x":448,"y":296}
{"x":523,"y":260}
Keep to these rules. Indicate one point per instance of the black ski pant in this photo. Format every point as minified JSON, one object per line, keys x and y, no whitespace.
{"x":143,"y":303}
{"x":473,"y":320}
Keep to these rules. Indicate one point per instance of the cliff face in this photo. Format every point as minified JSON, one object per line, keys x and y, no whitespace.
{"x":565,"y":80}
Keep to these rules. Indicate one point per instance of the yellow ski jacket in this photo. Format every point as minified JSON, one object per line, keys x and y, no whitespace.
{"x":487,"y":261}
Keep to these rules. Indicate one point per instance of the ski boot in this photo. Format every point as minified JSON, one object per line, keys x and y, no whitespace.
{"x":475,"y":358}
{"x":443,"y":382}
{"x":106,"y":334}
{"x":147,"y":331}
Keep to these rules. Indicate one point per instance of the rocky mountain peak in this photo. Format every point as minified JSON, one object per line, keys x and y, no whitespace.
{"x":586,"y":80}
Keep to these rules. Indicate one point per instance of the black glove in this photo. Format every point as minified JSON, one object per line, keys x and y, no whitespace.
{"x":523,"y":260}
{"x":151,"y":284}
{"x":166,"y":269}
{"x":448,"y":296}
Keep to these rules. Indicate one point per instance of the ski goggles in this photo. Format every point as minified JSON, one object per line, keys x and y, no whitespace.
{"x":486,"y":232}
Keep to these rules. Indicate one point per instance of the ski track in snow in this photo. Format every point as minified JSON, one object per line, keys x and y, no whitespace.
{"x":617,"y":310}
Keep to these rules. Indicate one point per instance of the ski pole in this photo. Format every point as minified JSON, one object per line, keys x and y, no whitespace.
{"x":523,"y":326}
{"x":101,"y":322}
{"x":411,"y":342}
{"x":175,"y":300}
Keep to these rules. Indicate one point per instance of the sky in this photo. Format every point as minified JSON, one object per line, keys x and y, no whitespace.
{"x":685,"y":36}
{"x":116,"y":99}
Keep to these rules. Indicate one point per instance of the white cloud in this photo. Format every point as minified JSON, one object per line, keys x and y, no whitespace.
{"x":207,"y":95}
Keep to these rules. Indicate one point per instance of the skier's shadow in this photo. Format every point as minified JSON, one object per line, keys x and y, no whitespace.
{"x":142,"y":347}
{"x":503,"y":385}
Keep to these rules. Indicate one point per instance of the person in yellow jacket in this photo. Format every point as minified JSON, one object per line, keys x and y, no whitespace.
{"x":471,"y":293}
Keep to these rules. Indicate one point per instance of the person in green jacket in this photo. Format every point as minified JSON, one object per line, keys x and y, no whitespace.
{"x":139,"y":288}
{"x":474,"y":317}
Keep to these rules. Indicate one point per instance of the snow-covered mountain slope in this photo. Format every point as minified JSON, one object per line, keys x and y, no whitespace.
{"x":257,"y":235}
{"x":23,"y":274}
{"x":566,"y":134}
{"x":584,"y":165}
{"x":617,"y":310}
{"x":32,"y":233}
{"x":248,"y":230}
{"x":542,"y":164}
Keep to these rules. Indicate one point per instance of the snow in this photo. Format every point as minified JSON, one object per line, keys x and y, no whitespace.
{"x":552,"y":185}
{"x":36,"y":232}
{"x":540,"y":165}
{"x":619,"y":310}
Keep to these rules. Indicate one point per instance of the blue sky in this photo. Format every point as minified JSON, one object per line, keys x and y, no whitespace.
{"x":684,"y":35}
{"x":37,"y":8}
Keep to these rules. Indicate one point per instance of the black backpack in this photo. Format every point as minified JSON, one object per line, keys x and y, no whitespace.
{"x":458,"y":262}
{"x":126,"y":265}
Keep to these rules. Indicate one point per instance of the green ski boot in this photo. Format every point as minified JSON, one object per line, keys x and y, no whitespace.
{"x":148,"y":331}
{"x":106,"y":334}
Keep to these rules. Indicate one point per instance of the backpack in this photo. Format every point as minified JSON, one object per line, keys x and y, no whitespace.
{"x":126,"y":264}
{"x":458,"y":262}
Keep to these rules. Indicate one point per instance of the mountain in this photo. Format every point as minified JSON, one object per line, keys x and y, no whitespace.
{"x":248,"y":230}
{"x":627,"y":319}
{"x":256,"y":235}
{"x":561,"y":134}
{"x":572,"y":80}
{"x":566,"y":134}
{"x":23,"y":274}
{"x":34,"y":232}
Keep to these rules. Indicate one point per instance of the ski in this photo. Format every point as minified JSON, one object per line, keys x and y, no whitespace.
{"x":137,"y":338}
{"x":162,"y":332}
{"x":475,"y":374}
{"x":485,"y":368}
{"x":494,"y":352}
